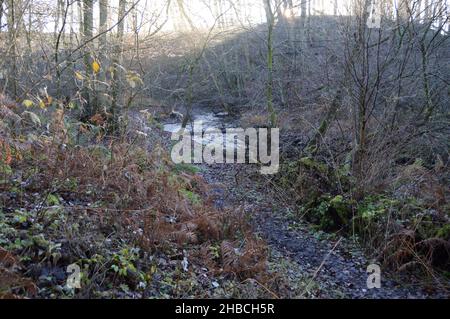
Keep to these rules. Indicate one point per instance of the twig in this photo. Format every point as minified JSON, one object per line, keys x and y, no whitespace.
{"x":322,"y":264}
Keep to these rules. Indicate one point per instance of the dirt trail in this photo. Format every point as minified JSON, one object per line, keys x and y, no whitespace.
{"x":333,"y":268}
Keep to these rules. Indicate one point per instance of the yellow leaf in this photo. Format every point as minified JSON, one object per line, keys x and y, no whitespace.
{"x":95,"y":67}
{"x":131,"y":83}
{"x":133,"y":79}
{"x":27,"y":103}
{"x":41,"y":104}
{"x":153,"y":269}
{"x":78,"y":75}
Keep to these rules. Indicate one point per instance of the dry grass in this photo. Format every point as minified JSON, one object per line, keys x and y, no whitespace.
{"x":129,"y":192}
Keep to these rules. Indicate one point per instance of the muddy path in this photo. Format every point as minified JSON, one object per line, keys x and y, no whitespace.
{"x":331,"y":266}
{"x":322,"y":265}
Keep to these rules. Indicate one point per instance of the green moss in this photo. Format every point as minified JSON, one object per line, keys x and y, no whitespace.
{"x":331,"y":212}
{"x":191,"y":196}
{"x":443,"y":232}
{"x":373,"y":207}
{"x":188,"y":168}
{"x":52,"y":200}
{"x":312,"y":164}
{"x":343,"y":175}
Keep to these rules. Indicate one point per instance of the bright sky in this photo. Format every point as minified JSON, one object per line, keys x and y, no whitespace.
{"x":152,"y":13}
{"x":201,"y":12}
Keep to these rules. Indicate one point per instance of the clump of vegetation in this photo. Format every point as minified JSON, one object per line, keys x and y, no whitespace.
{"x":132,"y":221}
{"x":407,"y":227}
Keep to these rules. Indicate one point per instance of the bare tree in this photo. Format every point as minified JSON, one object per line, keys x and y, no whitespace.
{"x":12,"y":46}
{"x":88,"y":20}
{"x":116,"y":76}
{"x":303,"y":6}
{"x":270,"y":17}
{"x":103,"y":50}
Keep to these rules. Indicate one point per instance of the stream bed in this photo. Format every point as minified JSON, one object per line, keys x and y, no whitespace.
{"x":212,"y":127}
{"x":338,"y":268}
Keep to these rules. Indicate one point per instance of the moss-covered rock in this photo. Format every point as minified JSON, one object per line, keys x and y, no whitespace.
{"x":331,"y":213}
{"x":311,"y":163}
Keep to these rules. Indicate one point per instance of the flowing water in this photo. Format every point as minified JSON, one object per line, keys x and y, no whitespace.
{"x":336,"y":271}
{"x":212,"y":126}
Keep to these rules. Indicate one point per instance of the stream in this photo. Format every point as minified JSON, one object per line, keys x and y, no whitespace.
{"x":337,"y":266}
{"x":209,"y":119}
{"x":212,"y":125}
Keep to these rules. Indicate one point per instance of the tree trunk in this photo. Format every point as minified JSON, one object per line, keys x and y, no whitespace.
{"x":360,"y":58}
{"x":418,"y":8}
{"x":303,"y":8}
{"x":103,"y":25}
{"x":1,"y":15}
{"x":314,"y":143}
{"x":269,"y":86}
{"x":116,"y":75}
{"x":80,"y":17}
{"x":403,"y":12}
{"x":30,"y":25}
{"x":88,"y":18}
{"x":184,"y":14}
{"x":11,"y":21}
{"x":427,"y":10}
{"x":61,"y":14}
{"x":103,"y":49}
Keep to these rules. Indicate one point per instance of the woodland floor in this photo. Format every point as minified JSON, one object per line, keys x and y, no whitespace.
{"x":314,"y":263}
{"x":47,"y":225}
{"x":324,"y":265}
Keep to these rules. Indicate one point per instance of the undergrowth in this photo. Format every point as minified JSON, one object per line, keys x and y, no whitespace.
{"x":404,"y":225}
{"x":135,"y":224}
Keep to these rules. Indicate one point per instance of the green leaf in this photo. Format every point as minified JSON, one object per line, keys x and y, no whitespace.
{"x":52,"y":200}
